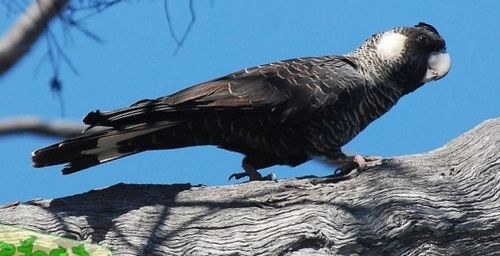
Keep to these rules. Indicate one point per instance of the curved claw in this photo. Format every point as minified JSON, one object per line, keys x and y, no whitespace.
{"x":238,"y":175}
{"x":270,"y":176}
{"x":345,"y":169}
{"x":358,"y":163}
{"x":252,"y":176}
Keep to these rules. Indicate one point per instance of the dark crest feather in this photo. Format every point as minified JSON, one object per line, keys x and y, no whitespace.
{"x":427,"y":26}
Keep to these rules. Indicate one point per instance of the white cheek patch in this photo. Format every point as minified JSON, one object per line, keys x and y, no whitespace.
{"x":438,"y":65}
{"x":391,"y":45}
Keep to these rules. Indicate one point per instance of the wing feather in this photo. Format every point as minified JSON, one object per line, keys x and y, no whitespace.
{"x":291,"y":90}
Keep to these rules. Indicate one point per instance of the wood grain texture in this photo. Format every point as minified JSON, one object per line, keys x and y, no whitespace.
{"x":444,"y":202}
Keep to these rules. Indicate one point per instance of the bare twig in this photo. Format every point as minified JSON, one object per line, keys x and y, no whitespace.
{"x":91,"y":7}
{"x":60,"y":129}
{"x":28,"y":28}
{"x":35,"y":19}
{"x":179,"y":41}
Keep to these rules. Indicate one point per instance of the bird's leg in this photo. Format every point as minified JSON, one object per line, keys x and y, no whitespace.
{"x":349,"y":163}
{"x":251,"y":172}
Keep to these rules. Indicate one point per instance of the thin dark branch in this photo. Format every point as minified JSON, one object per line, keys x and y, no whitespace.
{"x":77,"y":25}
{"x":179,"y":42}
{"x":61,"y":55}
{"x":51,"y":56}
{"x":93,"y":8}
{"x":34,"y":21}
{"x":169,"y":22}
{"x":40,"y":62}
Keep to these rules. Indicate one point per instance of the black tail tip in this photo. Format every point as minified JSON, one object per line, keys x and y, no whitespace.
{"x":38,"y":163}
{"x":68,"y":170}
{"x":35,"y":159}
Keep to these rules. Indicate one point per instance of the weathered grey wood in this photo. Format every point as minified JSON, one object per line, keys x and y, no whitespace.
{"x":445,"y":202}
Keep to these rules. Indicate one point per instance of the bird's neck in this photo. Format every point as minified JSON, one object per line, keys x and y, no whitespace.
{"x":386,"y":73}
{"x":371,"y":65}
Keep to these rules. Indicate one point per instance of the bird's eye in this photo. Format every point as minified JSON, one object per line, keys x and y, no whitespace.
{"x":423,"y":39}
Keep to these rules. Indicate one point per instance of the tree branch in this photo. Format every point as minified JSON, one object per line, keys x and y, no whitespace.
{"x":34,"y":125}
{"x":444,"y":202}
{"x":28,"y":28}
{"x":179,"y":41}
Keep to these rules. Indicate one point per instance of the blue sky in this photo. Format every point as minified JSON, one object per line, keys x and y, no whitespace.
{"x":136,"y":61}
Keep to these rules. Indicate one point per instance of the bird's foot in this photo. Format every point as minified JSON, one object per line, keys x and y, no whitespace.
{"x":358,"y":163}
{"x":252,"y":176}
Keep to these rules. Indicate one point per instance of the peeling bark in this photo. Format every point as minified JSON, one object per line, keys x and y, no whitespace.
{"x":444,"y":202}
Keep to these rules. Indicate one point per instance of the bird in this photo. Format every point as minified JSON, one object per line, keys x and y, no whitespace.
{"x":282,"y":113}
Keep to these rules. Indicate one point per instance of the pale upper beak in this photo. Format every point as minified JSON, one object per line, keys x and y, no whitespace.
{"x":438,"y":65}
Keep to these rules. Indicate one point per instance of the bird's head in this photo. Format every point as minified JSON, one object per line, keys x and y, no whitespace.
{"x":417,"y":54}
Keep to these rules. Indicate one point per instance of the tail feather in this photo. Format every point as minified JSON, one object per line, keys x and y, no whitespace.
{"x":93,"y":149}
{"x":89,"y":161}
{"x":143,"y":111}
